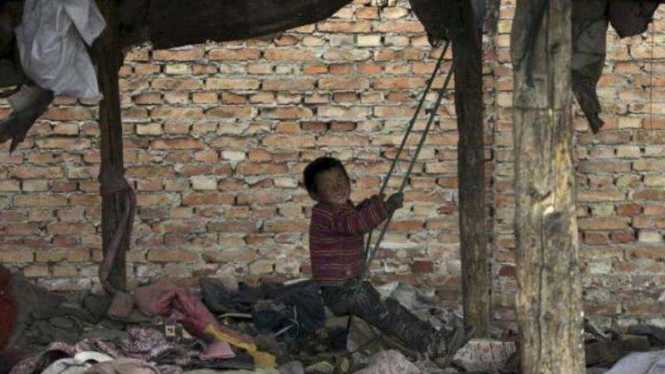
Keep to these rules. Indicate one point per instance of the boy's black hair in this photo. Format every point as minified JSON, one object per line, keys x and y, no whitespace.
{"x":317,"y":166}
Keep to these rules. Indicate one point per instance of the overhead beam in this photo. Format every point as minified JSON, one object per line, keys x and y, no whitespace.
{"x":476,"y":280}
{"x":549,"y":306}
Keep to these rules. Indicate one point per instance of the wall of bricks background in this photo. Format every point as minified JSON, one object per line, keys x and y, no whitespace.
{"x":217,"y":136}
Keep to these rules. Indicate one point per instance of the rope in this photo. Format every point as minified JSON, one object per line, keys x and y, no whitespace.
{"x":112,"y":183}
{"x":371,"y":254}
{"x":409,"y":129}
{"x":653,"y":47}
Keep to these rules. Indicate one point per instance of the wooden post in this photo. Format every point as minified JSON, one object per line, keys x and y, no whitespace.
{"x":549,"y":307}
{"x":476,"y":280}
{"x":108,"y":57}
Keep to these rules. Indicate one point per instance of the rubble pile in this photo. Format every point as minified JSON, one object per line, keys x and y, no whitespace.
{"x":271,"y":329}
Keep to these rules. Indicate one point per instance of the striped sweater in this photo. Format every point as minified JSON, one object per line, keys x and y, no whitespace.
{"x":336,"y":238}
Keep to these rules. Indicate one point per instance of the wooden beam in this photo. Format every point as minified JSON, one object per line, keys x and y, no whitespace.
{"x":476,"y":280}
{"x":108,"y":57}
{"x":549,"y":306}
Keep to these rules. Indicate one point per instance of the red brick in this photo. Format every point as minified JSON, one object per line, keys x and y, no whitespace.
{"x":343,"y":84}
{"x":236,"y":112}
{"x":182,"y":114}
{"x":422,"y":266}
{"x":344,"y":27}
{"x":172,"y":256}
{"x":293,"y":84}
{"x":234,"y":54}
{"x":643,"y":309}
{"x":233,"y":226}
{"x":208,"y":199}
{"x":208,"y":170}
{"x":232,"y":84}
{"x":230,"y":255}
{"x":401,"y":82}
{"x":286,"y":226}
{"x":70,"y":228}
{"x":178,"y":143}
{"x":40,"y":200}
{"x":68,"y":114}
{"x":176,"y":84}
{"x":629,"y":210}
{"x":16,"y":256}
{"x":289,"y":141}
{"x":184,"y":54}
{"x":623,"y":236}
{"x":64,"y":255}
{"x":603,"y":223}
{"x":287,"y":113}
{"x":289,"y":54}
{"x":312,"y":69}
{"x":648,"y":195}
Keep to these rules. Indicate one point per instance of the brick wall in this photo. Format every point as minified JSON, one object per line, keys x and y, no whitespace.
{"x":217,"y":136}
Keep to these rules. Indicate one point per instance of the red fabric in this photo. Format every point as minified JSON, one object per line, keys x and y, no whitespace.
{"x":8,"y":308}
{"x":155,"y":300}
{"x":192,"y":313}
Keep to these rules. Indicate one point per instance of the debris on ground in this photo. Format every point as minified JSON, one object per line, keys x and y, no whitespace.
{"x":274,"y":328}
{"x":484,"y":355}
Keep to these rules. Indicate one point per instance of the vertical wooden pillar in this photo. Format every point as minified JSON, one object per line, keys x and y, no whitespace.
{"x":108,"y":57}
{"x":549,"y":307}
{"x":476,"y":280}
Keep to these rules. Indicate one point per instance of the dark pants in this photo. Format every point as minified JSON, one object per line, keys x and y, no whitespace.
{"x":389,"y":316}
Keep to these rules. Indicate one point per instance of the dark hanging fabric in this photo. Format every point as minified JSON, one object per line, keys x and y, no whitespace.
{"x":589,"y":49}
{"x":591,"y":19}
{"x":171,"y":24}
{"x":436,"y":16}
{"x":631,"y":17}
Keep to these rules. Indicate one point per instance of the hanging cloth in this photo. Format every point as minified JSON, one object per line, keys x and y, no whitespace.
{"x":51,"y":41}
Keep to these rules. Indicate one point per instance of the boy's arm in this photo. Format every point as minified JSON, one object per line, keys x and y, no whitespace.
{"x":363,"y":219}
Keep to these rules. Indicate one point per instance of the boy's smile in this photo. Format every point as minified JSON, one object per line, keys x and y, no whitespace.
{"x":333,"y":187}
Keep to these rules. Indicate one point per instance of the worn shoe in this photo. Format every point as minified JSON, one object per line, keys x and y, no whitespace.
{"x":446,"y":343}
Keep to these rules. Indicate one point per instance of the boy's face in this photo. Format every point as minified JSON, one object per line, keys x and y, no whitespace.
{"x":332,"y":187}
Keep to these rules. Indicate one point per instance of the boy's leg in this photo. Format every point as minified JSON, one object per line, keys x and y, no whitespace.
{"x":388,"y":316}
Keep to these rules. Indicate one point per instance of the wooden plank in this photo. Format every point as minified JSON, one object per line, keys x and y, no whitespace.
{"x":108,"y":57}
{"x":476,"y":280}
{"x":549,"y":306}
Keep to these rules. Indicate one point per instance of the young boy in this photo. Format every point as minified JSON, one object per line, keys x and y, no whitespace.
{"x":336,"y":248}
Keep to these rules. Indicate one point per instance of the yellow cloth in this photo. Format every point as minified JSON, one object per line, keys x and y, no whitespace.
{"x":262,"y":358}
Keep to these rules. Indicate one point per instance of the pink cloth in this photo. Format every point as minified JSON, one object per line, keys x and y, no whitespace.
{"x":168,"y":300}
{"x":155,"y":299}
{"x":217,"y":351}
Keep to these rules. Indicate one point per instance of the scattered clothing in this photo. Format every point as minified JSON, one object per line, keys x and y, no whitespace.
{"x":123,"y":366}
{"x":52,"y":42}
{"x":641,"y":363}
{"x":273,"y":306}
{"x":656,"y":334}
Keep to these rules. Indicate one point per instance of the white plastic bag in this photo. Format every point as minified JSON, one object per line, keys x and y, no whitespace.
{"x":51,"y":45}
